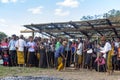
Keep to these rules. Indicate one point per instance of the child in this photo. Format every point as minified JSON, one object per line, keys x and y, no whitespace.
{"x":100,"y":61}
{"x":1,"y":60}
{"x":5,"y":59}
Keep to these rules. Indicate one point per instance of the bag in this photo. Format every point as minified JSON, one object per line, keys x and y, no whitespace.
{"x":90,"y":51}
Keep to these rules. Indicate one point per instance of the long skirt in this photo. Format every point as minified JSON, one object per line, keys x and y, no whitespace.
{"x":109,"y":60}
{"x":88,"y":60}
{"x":78,"y":59}
{"x":43,"y":60}
{"x":20,"y":57}
{"x":32,"y":58}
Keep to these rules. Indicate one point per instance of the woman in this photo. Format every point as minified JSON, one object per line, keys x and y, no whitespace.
{"x":31,"y":49}
{"x":73,"y":51}
{"x":43,"y":58}
{"x":4,"y":45}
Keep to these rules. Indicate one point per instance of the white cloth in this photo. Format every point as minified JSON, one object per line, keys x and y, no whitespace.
{"x":31,"y":46}
{"x":79,"y":49}
{"x":89,"y":51}
{"x":1,"y":61}
{"x":117,"y":44}
{"x":20,"y":44}
{"x":106,"y":48}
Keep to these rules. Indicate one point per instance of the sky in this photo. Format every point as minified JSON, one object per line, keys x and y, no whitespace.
{"x":16,"y":13}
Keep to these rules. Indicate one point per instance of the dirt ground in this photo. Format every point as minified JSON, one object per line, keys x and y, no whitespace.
{"x":68,"y":74}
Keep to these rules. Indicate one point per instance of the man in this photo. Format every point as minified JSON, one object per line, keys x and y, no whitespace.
{"x":12,"y":51}
{"x":106,"y":50}
{"x":20,"y":44}
{"x":59,"y":56}
{"x":68,"y":52}
{"x":78,"y":61}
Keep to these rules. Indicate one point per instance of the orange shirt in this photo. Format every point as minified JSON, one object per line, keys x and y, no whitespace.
{"x":118,"y":52}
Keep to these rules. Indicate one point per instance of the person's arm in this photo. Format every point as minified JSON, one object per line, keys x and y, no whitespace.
{"x":96,"y":59}
{"x":9,"y":44}
{"x":16,"y":44}
{"x":25,"y":44}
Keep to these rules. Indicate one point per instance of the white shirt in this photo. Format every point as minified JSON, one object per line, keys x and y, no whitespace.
{"x":1,"y":61}
{"x":20,"y":44}
{"x":80,"y":48}
{"x":117,"y":44}
{"x":106,"y":48}
{"x":31,"y":46}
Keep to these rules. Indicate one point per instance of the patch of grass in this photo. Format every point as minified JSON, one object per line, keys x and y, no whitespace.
{"x":21,"y":71}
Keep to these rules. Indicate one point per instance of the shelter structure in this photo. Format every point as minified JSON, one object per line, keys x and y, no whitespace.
{"x":74,"y":29}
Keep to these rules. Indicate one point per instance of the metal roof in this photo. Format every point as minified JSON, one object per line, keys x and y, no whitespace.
{"x":77,"y":28}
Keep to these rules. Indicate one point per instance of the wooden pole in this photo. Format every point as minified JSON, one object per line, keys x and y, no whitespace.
{"x":33,"y":34}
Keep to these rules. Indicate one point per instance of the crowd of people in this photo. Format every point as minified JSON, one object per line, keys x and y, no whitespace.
{"x":102,"y":55}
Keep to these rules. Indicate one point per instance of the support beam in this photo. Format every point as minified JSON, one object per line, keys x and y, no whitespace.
{"x":76,"y":27}
{"x":73,"y":24}
{"x":94,"y":28}
{"x":50,"y":34}
{"x":109,"y":22}
{"x":33,"y":35}
{"x":33,"y":31}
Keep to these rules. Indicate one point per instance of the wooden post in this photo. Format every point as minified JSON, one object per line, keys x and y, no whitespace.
{"x":33,"y":34}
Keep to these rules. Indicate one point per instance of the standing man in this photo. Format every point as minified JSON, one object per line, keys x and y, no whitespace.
{"x":106,"y":50}
{"x":12,"y":51}
{"x":59,"y":56}
{"x":79,"y":53}
{"x":20,"y":45}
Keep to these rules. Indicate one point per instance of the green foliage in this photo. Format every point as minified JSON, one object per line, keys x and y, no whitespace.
{"x":110,"y":14}
{"x":2,"y":35}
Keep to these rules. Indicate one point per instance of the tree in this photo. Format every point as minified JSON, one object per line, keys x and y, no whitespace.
{"x":110,"y":14}
{"x":2,"y":35}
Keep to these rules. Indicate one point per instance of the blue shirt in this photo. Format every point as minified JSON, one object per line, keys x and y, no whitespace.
{"x":59,"y":51}
{"x":12,"y":45}
{"x":68,"y":46}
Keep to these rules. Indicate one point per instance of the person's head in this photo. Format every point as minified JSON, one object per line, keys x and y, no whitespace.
{"x":60,"y":40}
{"x":66,"y":39}
{"x":31,"y":38}
{"x":5,"y":40}
{"x":117,"y":39}
{"x":103,"y":39}
{"x":21,"y":37}
{"x":14,"y":36}
{"x":64,"y":43}
{"x":73,"y":42}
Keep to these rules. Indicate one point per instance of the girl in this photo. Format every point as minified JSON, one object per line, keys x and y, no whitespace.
{"x":100,"y":61}
{"x":5,"y":59}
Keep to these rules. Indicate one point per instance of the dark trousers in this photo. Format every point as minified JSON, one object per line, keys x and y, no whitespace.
{"x":68,"y":56}
{"x":114,"y":62}
{"x":43,"y":60}
{"x":51,"y":58}
{"x":56,"y":62}
{"x":13,"y":57}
